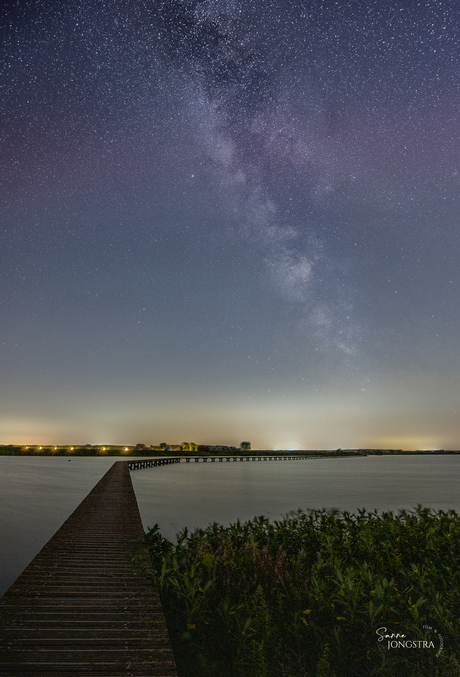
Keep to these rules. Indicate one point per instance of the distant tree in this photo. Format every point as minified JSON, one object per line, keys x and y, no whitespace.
{"x":140,"y":446}
{"x":188,"y":446}
{"x":245,"y":446}
{"x":163,"y":445}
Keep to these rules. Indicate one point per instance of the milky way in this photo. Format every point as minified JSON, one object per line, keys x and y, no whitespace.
{"x":226,"y":219}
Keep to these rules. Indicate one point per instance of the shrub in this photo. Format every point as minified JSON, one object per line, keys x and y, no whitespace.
{"x":304,"y":596}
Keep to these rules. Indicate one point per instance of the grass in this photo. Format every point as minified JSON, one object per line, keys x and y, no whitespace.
{"x":303,"y":597}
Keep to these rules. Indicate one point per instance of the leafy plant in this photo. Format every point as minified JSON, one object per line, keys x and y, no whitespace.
{"x":304,"y":596}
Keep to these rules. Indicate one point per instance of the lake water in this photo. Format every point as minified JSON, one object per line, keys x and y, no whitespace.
{"x":38,"y":494}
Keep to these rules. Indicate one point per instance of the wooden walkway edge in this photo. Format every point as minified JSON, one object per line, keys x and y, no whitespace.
{"x":82,"y":607}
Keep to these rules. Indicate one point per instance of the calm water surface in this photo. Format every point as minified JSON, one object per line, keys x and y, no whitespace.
{"x":38,"y":494}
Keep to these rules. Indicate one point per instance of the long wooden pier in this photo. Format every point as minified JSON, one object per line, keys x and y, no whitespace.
{"x":151,"y":462}
{"x":82,"y":607}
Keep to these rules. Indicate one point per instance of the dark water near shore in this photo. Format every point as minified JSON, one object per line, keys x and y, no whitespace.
{"x":38,"y":494}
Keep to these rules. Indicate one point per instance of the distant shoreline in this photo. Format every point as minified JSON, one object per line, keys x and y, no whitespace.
{"x":129,"y":451}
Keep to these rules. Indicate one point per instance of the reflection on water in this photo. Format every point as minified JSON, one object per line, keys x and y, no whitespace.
{"x":38,"y":494}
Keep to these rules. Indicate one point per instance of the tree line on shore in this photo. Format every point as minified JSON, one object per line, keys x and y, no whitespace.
{"x":166,"y":449}
{"x":140,"y":449}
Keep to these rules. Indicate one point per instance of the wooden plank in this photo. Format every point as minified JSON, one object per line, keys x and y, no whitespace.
{"x":82,"y":607}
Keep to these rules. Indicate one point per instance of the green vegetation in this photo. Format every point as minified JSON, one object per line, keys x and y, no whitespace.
{"x":303,"y":597}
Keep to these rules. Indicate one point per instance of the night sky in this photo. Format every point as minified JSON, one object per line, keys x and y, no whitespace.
{"x":227,"y":220}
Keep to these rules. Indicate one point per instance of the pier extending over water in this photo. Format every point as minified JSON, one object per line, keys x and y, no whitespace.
{"x":152,"y":462}
{"x":82,"y":607}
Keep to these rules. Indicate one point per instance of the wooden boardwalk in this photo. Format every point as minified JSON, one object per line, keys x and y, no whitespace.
{"x":138,"y":464}
{"x":81,"y":607}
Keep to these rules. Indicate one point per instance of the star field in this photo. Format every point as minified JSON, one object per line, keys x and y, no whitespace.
{"x":226,"y":220}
